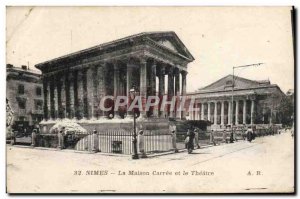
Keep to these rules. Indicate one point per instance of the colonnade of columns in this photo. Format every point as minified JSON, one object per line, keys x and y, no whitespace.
{"x":220,"y":112}
{"x":76,"y":93}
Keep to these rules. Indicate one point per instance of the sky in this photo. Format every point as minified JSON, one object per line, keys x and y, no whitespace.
{"x":218,"y":37}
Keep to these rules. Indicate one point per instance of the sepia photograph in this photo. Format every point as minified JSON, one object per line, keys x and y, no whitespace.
{"x":150,"y":100}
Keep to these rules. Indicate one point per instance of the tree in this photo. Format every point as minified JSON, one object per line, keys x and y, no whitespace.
{"x":286,"y":110}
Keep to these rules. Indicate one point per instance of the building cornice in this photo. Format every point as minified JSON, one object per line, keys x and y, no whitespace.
{"x":109,"y":49}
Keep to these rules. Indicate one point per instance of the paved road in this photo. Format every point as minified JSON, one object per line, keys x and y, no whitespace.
{"x":265,"y":165}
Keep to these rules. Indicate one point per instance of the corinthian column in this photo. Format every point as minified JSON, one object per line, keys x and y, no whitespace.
{"x":45,"y":90}
{"x":143,"y":85}
{"x":215,"y":114}
{"x":116,"y":87}
{"x":62,"y":110}
{"x":244,"y":111}
{"x":52,"y":100}
{"x":85,"y":94}
{"x":95,"y":89}
{"x":80,"y":95}
{"x":91,"y":84}
{"x":71,"y":103}
{"x":77,"y":103}
{"x":49,"y":80}
{"x":153,"y":87}
{"x":202,"y":111}
{"x":177,"y":94}
{"x":222,"y":113}
{"x":101,"y":74}
{"x":237,"y":112}
{"x":170,"y":89}
{"x":161,"y":88}
{"x":183,"y":91}
{"x":129,"y":85}
{"x":252,"y":112}
{"x":66,"y":80}
{"x":55,"y":98}
{"x":208,"y":111}
{"x":229,"y":113}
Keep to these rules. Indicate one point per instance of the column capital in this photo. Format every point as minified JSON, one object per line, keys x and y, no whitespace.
{"x":176,"y":71}
{"x":116,"y":68}
{"x":162,"y":70}
{"x":170,"y":70}
{"x":154,"y":62}
{"x":183,"y":72}
{"x":143,"y":59}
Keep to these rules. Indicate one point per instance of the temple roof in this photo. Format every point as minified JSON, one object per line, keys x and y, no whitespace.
{"x":242,"y":84}
{"x":167,"y":40}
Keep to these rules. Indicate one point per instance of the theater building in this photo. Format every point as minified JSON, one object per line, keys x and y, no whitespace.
{"x":254,"y":102}
{"x":155,"y":63}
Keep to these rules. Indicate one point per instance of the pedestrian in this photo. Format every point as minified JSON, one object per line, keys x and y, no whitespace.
{"x":25,"y":132}
{"x":249,"y":134}
{"x":33,"y":138}
{"x":174,"y":146}
{"x":191,"y":136}
{"x":196,"y":131}
{"x":190,"y":140}
{"x":224,"y":136}
{"x":173,"y":130}
{"x":187,"y":138}
{"x":212,"y":138}
{"x":244,"y":131}
{"x":13,"y":137}
{"x":63,"y":136}
{"x":141,"y":143}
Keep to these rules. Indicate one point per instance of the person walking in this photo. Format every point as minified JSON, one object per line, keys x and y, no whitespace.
{"x":196,"y":131}
{"x":190,"y":141}
{"x":33,"y":138}
{"x":141,"y":143}
{"x":187,"y":138}
{"x":173,"y":130}
{"x":249,"y":134}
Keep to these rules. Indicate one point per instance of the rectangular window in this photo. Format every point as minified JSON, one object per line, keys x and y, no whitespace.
{"x":22,"y":118}
{"x":22,"y":104}
{"x":21,"y":89}
{"x":38,"y":91}
{"x":38,"y":105}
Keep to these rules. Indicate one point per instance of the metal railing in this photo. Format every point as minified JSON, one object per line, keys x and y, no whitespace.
{"x":120,"y":141}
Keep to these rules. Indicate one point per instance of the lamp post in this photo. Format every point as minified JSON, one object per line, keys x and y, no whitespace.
{"x":232,"y":90}
{"x":135,"y":155}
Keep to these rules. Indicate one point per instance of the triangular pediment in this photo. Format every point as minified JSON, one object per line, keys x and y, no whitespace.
{"x":167,"y":44}
{"x":225,"y":83}
{"x":171,"y":41}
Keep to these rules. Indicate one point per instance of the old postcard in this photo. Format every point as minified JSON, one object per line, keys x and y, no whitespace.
{"x":150,"y":100}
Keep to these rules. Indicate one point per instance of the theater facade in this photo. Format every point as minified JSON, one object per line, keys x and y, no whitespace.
{"x":75,"y":83}
{"x":254,"y":102}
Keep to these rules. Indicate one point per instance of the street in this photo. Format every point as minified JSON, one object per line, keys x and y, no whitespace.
{"x":262,"y":166}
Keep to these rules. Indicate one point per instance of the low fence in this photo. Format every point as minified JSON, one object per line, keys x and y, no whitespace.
{"x":210,"y":137}
{"x":111,"y":141}
{"x":121,"y":141}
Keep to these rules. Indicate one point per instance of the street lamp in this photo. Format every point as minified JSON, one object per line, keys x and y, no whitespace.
{"x":232,"y":90}
{"x":133,"y":92}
